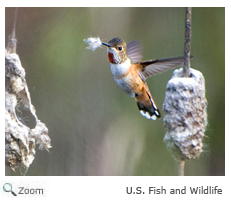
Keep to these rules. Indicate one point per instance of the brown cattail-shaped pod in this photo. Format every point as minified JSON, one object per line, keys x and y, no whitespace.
{"x":20,"y":139}
{"x":186,"y":117}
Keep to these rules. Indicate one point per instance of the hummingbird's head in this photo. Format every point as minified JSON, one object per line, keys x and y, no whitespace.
{"x":117,"y":50}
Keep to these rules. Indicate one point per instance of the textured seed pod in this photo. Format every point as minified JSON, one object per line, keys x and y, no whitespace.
{"x":186,"y":117}
{"x":20,"y":140}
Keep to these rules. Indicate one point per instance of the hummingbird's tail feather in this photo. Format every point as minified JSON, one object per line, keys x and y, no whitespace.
{"x":147,"y":106}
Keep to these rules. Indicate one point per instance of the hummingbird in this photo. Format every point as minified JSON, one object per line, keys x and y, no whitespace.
{"x":130,"y":73}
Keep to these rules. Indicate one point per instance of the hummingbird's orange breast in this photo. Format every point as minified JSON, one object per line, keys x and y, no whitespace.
{"x":127,"y":78}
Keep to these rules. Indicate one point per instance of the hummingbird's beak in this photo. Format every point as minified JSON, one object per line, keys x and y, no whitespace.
{"x":108,"y":45}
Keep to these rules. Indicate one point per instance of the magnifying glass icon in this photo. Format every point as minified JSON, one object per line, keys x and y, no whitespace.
{"x":7,"y":187}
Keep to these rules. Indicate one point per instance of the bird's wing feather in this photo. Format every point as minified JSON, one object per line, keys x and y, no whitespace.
{"x":155,"y":67}
{"x":134,"y":51}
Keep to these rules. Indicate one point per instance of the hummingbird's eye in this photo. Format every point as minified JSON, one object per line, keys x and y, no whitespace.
{"x":120,"y":48}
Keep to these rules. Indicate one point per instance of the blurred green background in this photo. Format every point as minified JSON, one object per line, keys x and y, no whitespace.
{"x":95,"y":128}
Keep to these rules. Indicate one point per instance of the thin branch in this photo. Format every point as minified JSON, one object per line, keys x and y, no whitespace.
{"x":187,"y":46}
{"x":14,"y":23}
{"x":181,"y":165}
{"x":12,"y":43}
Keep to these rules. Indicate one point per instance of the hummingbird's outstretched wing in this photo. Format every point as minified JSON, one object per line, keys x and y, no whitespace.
{"x":155,"y":67}
{"x":134,"y":51}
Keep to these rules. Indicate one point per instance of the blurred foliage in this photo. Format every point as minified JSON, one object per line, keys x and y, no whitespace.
{"x":95,"y":128}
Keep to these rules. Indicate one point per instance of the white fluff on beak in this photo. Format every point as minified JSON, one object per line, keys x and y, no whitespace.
{"x":93,"y":42}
